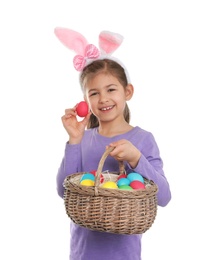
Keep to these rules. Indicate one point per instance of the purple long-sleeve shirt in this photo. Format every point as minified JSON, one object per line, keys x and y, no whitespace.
{"x":92,"y":245}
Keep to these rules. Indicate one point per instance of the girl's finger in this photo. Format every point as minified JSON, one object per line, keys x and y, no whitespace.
{"x":86,"y":119}
{"x":70,"y":111}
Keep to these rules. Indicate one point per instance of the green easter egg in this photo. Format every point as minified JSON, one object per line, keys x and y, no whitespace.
{"x":125,"y":187}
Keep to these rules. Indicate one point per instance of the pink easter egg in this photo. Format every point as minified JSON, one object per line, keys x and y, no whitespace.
{"x":137,"y":185}
{"x":82,"y":109}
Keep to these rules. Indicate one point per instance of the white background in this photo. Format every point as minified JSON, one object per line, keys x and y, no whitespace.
{"x":172,"y":52}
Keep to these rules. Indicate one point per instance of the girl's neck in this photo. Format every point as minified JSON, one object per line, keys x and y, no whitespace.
{"x":113,"y":129}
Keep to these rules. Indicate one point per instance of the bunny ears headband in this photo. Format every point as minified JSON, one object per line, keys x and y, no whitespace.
{"x":85,"y":52}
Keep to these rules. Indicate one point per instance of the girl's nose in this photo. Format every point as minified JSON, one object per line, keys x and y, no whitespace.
{"x":103,"y":98}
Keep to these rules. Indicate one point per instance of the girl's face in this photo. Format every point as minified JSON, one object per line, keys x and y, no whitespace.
{"x":107,"y":97}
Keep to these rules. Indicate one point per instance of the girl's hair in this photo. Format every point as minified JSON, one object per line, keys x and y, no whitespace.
{"x":109,"y":67}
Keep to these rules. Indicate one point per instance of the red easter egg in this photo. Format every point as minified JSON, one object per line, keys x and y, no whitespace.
{"x":93,"y":172}
{"x":137,"y":185}
{"x":82,"y":109}
{"x":122,"y":176}
{"x":101,"y":177}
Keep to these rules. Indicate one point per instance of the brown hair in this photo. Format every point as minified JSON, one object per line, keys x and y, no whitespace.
{"x":109,"y":67}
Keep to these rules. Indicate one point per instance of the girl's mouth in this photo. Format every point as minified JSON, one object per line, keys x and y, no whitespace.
{"x":106,"y":108}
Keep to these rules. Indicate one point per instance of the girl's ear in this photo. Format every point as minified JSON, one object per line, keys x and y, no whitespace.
{"x":129,"y":91}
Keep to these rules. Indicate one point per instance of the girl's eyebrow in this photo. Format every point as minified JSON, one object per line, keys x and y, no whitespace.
{"x":110,"y":85}
{"x":107,"y":86}
{"x":92,"y":90}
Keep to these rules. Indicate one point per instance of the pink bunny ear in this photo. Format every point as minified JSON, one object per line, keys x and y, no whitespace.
{"x":71,"y":39}
{"x":109,"y":41}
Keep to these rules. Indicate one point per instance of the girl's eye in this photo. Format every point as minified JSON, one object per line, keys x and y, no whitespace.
{"x":93,"y":94}
{"x":111,"y":89}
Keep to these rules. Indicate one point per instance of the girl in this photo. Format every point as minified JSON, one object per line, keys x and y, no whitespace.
{"x":106,"y":88}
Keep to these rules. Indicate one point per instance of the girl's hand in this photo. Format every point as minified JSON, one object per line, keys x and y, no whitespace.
{"x":126,"y":151}
{"x":74,"y":128}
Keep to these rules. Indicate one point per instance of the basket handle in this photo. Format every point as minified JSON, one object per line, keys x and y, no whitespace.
{"x":101,"y":163}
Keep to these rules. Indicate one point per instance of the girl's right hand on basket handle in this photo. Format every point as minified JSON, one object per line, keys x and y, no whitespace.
{"x":74,"y":128}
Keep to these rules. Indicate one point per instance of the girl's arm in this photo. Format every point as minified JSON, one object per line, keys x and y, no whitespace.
{"x":142,"y":156}
{"x":72,"y":157}
{"x":150,"y":165}
{"x":151,"y":168}
{"x":70,"y":164}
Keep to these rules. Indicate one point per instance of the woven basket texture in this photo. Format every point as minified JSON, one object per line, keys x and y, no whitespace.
{"x":110,"y":210}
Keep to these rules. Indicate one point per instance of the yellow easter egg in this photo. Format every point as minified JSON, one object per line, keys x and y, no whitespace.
{"x":87,"y":182}
{"x":109,"y":185}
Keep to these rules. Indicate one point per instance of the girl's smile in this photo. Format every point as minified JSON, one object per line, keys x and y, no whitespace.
{"x":106,"y":108}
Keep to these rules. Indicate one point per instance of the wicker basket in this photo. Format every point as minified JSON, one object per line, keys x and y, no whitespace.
{"x":110,"y":210}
